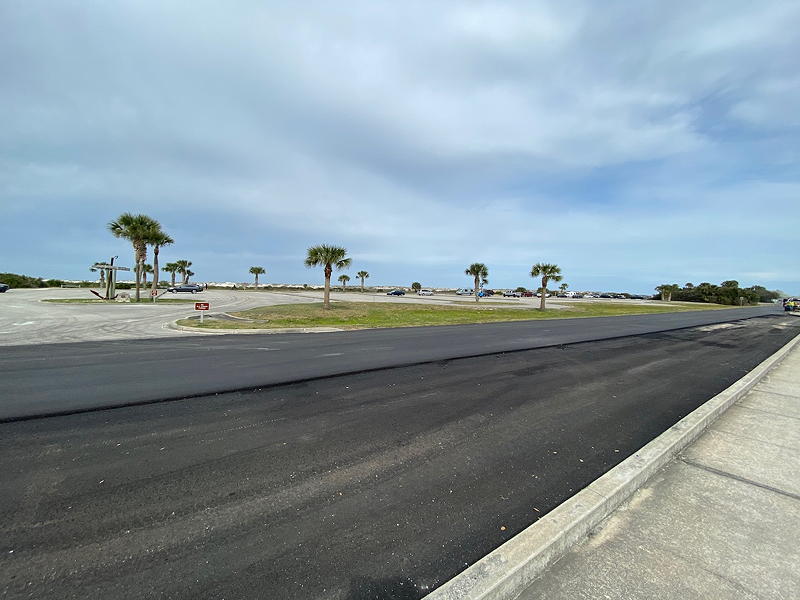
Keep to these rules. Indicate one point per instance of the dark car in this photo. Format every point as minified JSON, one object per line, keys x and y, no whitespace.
{"x":187,"y":287}
{"x":3,"y":287}
{"x":396,"y":293}
{"x":527,"y":294}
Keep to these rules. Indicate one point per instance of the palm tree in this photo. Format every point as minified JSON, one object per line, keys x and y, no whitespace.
{"x":145,"y":270}
{"x":183,"y":269}
{"x":547,"y":272}
{"x":189,"y":274}
{"x":328,"y":257}
{"x":416,"y":286}
{"x":363,"y":275}
{"x":666,"y":290}
{"x":343,"y":279}
{"x":257,"y":271}
{"x":102,"y":274}
{"x":481,"y":275}
{"x":563,"y":287}
{"x":137,"y":229}
{"x":156,"y":241}
{"x":171,"y":268}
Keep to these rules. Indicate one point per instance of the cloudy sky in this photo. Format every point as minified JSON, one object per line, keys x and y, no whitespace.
{"x":632,"y":143}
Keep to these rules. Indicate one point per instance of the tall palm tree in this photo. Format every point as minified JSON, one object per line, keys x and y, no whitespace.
{"x":481,"y":275}
{"x":547,"y":272}
{"x":137,"y":229}
{"x":257,"y":271}
{"x":171,"y":268}
{"x":328,"y":257}
{"x":362,"y":275}
{"x":183,"y":269}
{"x":343,"y":279}
{"x":156,"y":241}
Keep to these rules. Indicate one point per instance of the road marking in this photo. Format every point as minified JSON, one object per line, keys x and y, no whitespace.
{"x":25,"y":323}
{"x":268,"y":349}
{"x":331,"y":354}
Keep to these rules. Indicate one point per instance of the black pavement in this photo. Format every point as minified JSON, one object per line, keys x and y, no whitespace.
{"x":374,"y":485}
{"x":62,"y":378}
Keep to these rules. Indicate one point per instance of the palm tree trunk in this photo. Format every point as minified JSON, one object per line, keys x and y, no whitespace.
{"x":326,"y":298}
{"x":544,"y":292}
{"x":155,"y":270}
{"x":256,"y":280}
{"x":173,"y":273}
{"x":362,"y":285}
{"x":477,"y":283}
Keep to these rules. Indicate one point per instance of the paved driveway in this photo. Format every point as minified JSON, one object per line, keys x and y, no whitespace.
{"x":24,"y":319}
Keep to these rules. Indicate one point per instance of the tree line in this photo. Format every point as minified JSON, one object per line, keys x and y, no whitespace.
{"x":728,"y":292}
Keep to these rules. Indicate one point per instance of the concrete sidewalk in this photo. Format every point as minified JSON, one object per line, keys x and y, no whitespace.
{"x":722,"y":521}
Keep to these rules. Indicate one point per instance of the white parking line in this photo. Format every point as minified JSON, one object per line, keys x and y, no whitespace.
{"x":25,"y":323}
{"x":331,"y":354}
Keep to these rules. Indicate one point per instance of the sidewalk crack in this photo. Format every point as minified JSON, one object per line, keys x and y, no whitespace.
{"x":741,"y":479}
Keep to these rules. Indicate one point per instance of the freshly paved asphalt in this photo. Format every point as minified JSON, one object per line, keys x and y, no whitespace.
{"x":61,"y":378}
{"x":374,"y":485}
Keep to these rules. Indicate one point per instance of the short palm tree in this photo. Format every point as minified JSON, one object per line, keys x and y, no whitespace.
{"x":362,"y":275}
{"x":481,"y":275}
{"x":145,"y":270}
{"x":343,"y":279}
{"x":102,"y":274}
{"x":666,"y":290}
{"x":547,"y":272}
{"x":171,"y":268}
{"x":183,"y":269}
{"x":327,"y":257}
{"x":416,"y":286}
{"x":563,"y":287}
{"x":156,"y":241}
{"x":257,"y":271}
{"x":137,"y":229}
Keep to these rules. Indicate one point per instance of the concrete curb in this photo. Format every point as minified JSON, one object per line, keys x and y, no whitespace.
{"x":507,"y":571}
{"x":174,"y":325}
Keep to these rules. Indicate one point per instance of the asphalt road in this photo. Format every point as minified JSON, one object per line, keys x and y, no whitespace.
{"x":375,"y":485}
{"x":61,"y":378}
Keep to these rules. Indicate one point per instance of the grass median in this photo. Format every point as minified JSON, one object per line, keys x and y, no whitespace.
{"x":364,"y":315}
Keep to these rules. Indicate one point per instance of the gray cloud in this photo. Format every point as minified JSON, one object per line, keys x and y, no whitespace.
{"x":637,"y":142}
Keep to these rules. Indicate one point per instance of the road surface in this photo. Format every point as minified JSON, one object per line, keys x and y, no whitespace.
{"x":381,"y":484}
{"x":60,"y":378}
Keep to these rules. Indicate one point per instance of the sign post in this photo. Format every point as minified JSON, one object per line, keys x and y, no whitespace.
{"x":202,"y":307}
{"x":111,"y":277}
{"x":154,"y":294}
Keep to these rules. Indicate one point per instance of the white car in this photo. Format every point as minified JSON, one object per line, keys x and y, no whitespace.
{"x":425,"y":293}
{"x":465,"y":292}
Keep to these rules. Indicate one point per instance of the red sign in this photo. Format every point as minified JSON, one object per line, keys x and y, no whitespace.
{"x":202,"y":306}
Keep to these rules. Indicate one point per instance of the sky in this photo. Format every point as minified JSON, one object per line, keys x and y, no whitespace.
{"x":631,"y":143}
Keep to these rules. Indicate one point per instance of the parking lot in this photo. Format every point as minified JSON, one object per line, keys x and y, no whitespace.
{"x":25,"y":319}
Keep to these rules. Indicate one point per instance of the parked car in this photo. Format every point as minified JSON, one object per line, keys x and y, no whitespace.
{"x":512,"y":294}
{"x":425,"y":293}
{"x":464,"y":292}
{"x":563,"y":296}
{"x":605,"y":296}
{"x":396,"y":293}
{"x":3,"y":287}
{"x":192,"y":288}
{"x":485,"y":293}
{"x":577,"y":295}
{"x":527,"y":294}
